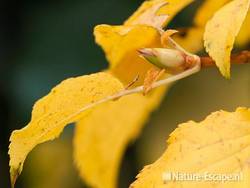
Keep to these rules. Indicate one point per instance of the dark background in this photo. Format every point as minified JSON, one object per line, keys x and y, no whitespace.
{"x":45,"y":42}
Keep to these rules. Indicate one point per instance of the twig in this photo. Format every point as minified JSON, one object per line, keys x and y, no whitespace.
{"x":238,"y":58}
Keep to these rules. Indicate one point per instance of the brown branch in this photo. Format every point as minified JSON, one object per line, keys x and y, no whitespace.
{"x":238,"y":58}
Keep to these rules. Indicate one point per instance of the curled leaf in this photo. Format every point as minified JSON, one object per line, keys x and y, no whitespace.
{"x":217,"y":145}
{"x":221,"y":31}
{"x":166,"y":35}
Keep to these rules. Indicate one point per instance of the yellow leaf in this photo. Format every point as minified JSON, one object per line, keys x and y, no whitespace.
{"x":221,"y":31}
{"x":193,"y":39}
{"x":217,"y":145}
{"x":243,"y":37}
{"x":101,"y":137}
{"x":63,"y":105}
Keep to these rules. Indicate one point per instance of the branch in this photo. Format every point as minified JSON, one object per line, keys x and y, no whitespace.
{"x":238,"y":58}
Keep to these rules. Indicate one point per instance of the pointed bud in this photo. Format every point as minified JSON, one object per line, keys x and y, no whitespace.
{"x":163,"y":57}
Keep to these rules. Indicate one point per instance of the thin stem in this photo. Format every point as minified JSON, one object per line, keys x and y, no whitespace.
{"x":238,"y":58}
{"x":139,"y":89}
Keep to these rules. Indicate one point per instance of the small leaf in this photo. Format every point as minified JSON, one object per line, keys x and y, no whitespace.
{"x":220,"y":144}
{"x":221,"y":31}
{"x":63,"y":105}
{"x":152,"y":76}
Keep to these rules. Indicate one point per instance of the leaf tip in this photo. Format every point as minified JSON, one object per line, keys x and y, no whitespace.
{"x":14,"y":173}
{"x":225,"y":71}
{"x":15,"y":164}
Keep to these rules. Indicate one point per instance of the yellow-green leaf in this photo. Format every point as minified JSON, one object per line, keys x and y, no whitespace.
{"x":102,"y":137}
{"x":220,"y":144}
{"x":63,"y":105}
{"x":221,"y":31}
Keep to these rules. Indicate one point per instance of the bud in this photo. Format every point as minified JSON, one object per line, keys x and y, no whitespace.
{"x":163,"y":57}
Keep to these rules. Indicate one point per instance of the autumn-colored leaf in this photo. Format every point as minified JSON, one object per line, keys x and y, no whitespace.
{"x":102,"y":136}
{"x":63,"y":105}
{"x":217,"y":145}
{"x":221,"y":31}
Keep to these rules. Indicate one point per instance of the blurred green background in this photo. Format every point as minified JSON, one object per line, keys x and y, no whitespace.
{"x":44,"y":42}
